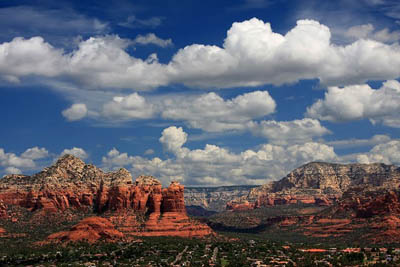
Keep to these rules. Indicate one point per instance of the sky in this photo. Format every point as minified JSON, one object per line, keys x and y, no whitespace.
{"x":204,"y":92}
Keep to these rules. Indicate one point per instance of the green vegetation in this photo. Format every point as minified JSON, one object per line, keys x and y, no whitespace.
{"x":164,"y":251}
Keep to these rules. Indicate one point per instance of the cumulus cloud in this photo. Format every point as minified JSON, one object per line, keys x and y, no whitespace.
{"x":357,"y":102}
{"x":367,"y":31}
{"x":35,"y":153}
{"x":173,"y":138}
{"x":22,"y":57}
{"x":213,"y":165}
{"x":374,"y":140}
{"x":129,"y":107}
{"x":13,"y":163}
{"x":76,"y":151}
{"x":149,"y":151}
{"x":115,"y":158}
{"x":75,"y":112}
{"x":388,"y":153}
{"x":212,"y":113}
{"x":151,"y":38}
{"x":12,"y":170}
{"x":209,"y":112}
{"x":284,"y":132}
{"x":252,"y":54}
{"x":12,"y":160}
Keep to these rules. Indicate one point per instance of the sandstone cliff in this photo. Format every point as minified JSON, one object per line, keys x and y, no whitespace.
{"x":72,"y":185}
{"x":320,"y":183}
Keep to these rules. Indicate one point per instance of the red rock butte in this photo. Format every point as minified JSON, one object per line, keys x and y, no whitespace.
{"x":142,"y":208}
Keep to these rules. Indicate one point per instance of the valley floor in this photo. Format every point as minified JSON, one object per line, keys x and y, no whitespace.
{"x":241,"y":250}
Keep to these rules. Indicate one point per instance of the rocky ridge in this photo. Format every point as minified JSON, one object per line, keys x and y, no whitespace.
{"x":214,"y":198}
{"x":320,"y":183}
{"x":70,"y":184}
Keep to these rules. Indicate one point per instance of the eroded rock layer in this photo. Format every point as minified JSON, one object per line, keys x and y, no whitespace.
{"x":70,"y":184}
{"x":320,"y":183}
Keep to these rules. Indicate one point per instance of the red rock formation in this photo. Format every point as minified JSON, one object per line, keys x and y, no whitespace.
{"x":90,"y":229}
{"x":174,"y":224}
{"x":240,"y":206}
{"x":376,"y":210}
{"x":173,"y":220}
{"x":2,"y":231}
{"x":70,"y":184}
{"x":323,"y":183}
{"x":3,"y":210}
{"x":172,"y":198}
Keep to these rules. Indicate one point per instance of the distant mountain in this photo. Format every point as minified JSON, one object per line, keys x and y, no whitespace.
{"x":215,"y":198}
{"x":347,"y":202}
{"x":320,"y":183}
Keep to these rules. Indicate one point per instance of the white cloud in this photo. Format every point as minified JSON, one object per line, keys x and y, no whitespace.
{"x":102,"y":62}
{"x":173,"y":139}
{"x":35,"y":153}
{"x":116,"y":159}
{"x":75,"y":151}
{"x":23,"y":57}
{"x":359,"y":102}
{"x":251,"y":55}
{"x":130,"y":107}
{"x":75,"y":112}
{"x":374,"y":140}
{"x":284,"y":132}
{"x":149,"y":151}
{"x":212,"y":113}
{"x":214,"y":165}
{"x":57,"y":25}
{"x":12,"y":170}
{"x":208,"y":112}
{"x":360,"y":31}
{"x":151,"y":38}
{"x":388,"y":153}
{"x":367,"y":31}
{"x":13,"y":163}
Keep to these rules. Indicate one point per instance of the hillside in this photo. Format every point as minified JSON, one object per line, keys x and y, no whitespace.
{"x":70,"y":190}
{"x":322,"y":201}
{"x":320,"y":183}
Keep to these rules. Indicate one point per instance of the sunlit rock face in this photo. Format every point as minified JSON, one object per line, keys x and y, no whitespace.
{"x":70,"y":184}
{"x":90,"y":229}
{"x":319,"y":183}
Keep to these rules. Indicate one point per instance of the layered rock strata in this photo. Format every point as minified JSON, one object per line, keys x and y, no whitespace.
{"x":70,"y":184}
{"x":320,"y":183}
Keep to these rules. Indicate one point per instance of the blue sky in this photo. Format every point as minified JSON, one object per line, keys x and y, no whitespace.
{"x":207,"y":93}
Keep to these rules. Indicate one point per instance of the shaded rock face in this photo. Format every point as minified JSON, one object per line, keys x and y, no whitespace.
{"x":70,"y":184}
{"x":322,"y":184}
